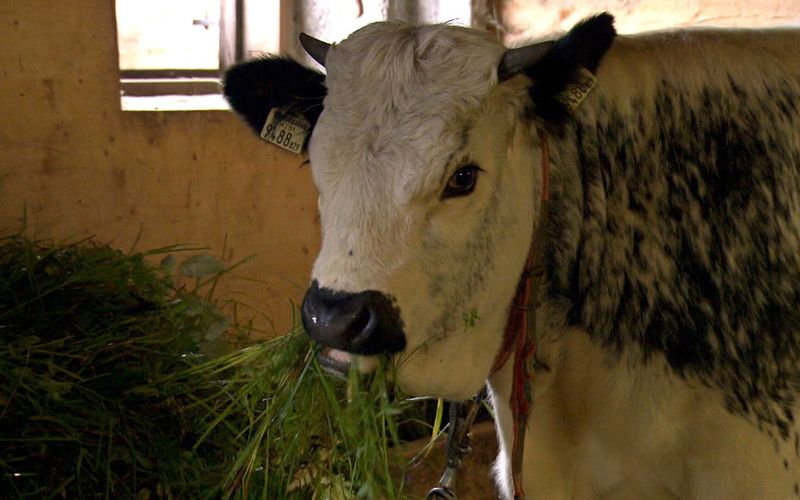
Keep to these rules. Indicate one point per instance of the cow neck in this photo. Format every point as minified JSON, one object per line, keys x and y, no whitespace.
{"x":520,"y":335}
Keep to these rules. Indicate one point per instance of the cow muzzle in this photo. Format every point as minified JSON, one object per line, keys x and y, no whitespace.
{"x":365,"y":323}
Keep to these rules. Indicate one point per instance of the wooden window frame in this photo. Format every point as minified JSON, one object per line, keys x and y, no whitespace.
{"x":232,"y":49}
{"x":188,"y":82}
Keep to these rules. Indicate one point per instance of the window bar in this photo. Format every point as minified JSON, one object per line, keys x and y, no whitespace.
{"x":231,"y":33}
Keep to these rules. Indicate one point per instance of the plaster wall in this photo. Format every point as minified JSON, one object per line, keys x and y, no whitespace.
{"x":522,"y":20}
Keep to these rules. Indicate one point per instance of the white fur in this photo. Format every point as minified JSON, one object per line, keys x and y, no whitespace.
{"x":603,"y":432}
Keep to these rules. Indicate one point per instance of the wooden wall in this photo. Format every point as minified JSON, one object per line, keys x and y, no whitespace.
{"x":82,"y":167}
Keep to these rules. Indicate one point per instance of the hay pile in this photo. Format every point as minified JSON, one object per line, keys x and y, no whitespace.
{"x":104,"y":392}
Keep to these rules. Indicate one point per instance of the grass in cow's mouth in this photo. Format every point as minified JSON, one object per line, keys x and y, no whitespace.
{"x":310,"y":432}
{"x":105,"y":391}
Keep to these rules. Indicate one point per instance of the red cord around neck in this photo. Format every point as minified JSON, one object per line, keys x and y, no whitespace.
{"x":520,"y":333}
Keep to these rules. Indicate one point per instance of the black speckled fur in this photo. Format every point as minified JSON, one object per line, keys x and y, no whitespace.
{"x":692,"y":252}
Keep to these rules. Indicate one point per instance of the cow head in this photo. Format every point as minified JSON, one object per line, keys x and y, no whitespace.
{"x":425,"y":157}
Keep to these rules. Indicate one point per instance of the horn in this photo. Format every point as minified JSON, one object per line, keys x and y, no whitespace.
{"x":317,"y":49}
{"x":516,"y":60}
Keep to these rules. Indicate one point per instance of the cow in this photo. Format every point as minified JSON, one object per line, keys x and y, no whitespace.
{"x":667,"y":359}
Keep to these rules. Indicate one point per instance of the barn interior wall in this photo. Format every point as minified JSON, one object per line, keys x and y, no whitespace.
{"x":77,"y":166}
{"x":74,"y":165}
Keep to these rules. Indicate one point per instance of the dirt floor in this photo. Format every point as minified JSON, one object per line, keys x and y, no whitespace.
{"x":474,"y":481}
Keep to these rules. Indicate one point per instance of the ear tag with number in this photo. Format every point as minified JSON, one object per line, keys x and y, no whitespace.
{"x":287,"y":130}
{"x":576,"y":91}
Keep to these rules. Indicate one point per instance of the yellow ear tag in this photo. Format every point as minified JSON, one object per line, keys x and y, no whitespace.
{"x":286,"y":130}
{"x":581,"y":85}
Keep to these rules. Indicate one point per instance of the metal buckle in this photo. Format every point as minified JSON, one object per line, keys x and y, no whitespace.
{"x":462,"y":415}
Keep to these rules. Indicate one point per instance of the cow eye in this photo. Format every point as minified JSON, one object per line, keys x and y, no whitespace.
{"x":462,"y":182}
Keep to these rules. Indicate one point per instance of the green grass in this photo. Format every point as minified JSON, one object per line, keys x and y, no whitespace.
{"x":105,"y":390}
{"x":304,"y":431}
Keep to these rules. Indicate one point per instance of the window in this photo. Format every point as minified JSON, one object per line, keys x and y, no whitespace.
{"x":172,"y":52}
{"x":179,"y":34}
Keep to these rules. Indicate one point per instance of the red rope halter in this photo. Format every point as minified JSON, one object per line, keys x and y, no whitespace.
{"x":520,"y":332}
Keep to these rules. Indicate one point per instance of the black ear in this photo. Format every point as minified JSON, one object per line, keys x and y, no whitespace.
{"x":583,"y":47}
{"x":254,"y":87}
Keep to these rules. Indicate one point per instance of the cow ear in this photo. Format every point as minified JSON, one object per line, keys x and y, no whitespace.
{"x":583,"y":47}
{"x":255,"y":87}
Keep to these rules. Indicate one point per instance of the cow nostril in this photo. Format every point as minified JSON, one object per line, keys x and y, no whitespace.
{"x":364,"y":323}
{"x":361,"y":321}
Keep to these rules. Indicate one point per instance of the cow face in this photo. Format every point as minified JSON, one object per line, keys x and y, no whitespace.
{"x":427,"y":176}
{"x":426,"y":215}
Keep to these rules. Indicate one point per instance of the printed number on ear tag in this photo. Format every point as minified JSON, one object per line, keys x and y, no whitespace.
{"x":577,"y":90}
{"x":286,"y":130}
